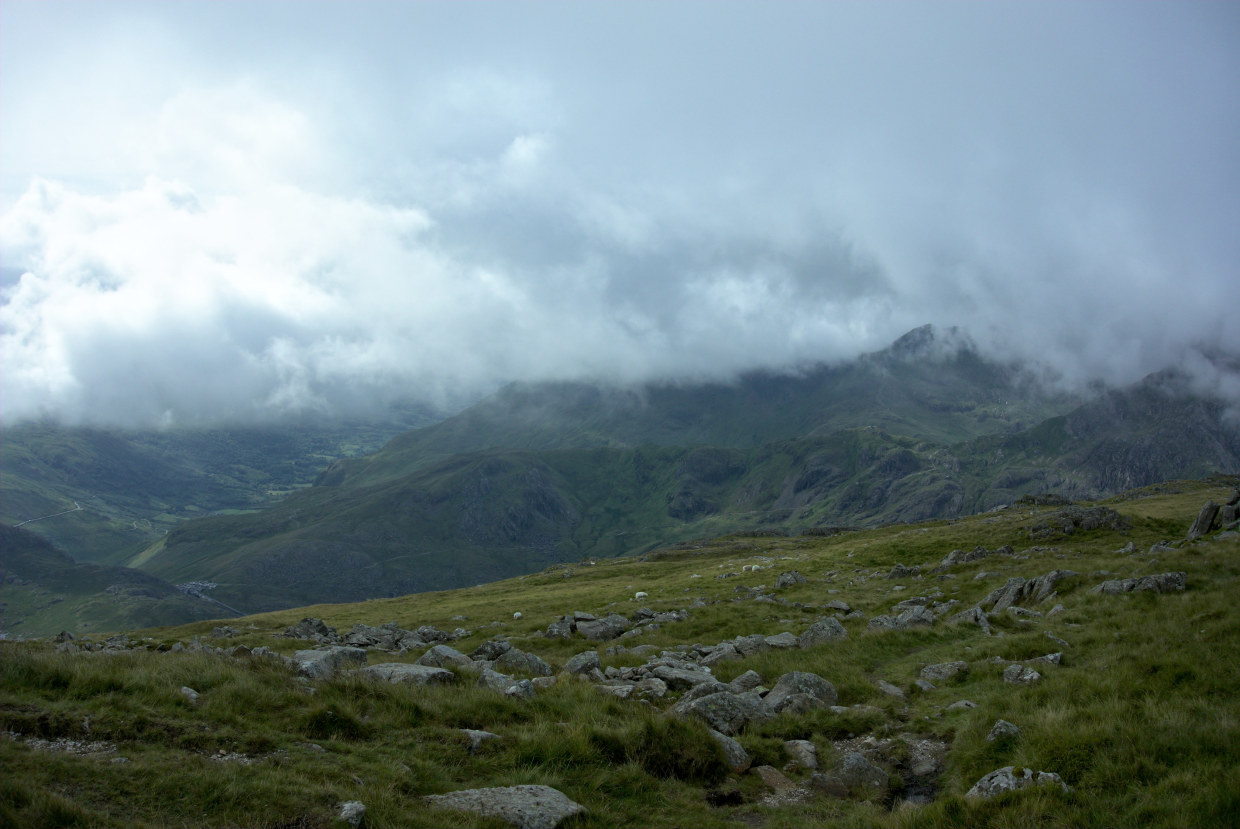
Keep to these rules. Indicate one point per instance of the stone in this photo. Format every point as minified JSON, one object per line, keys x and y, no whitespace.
{"x":314,"y":629}
{"x":583,"y":663}
{"x":726,"y":712}
{"x":773,"y":778}
{"x":352,"y":813}
{"x":1002,"y":730}
{"x":494,"y":680}
{"x":521,"y":689}
{"x":600,"y":630}
{"x":651,"y":686}
{"x":789,"y":578}
{"x":746,"y":682}
{"x":803,"y":752}
{"x":734,"y":753}
{"x":943,"y":671}
{"x":522,"y":662}
{"x":782,"y":641}
{"x":854,"y":772}
{"x":889,"y":689}
{"x":975,"y":615}
{"x":1017,"y":590}
{"x":1162,"y":583}
{"x":560,"y":629}
{"x":443,"y":656}
{"x":477,"y":738}
{"x":680,"y":679}
{"x":725,"y":652}
{"x":801,"y":682}
{"x":801,"y":704}
{"x":836,"y":604}
{"x":1205,"y":521}
{"x":826,"y":629}
{"x":962,"y":705}
{"x":321,"y":663}
{"x":1010,"y":779}
{"x":190,"y":694}
{"x":916,"y":616}
{"x":1070,"y":519}
{"x":1020,"y":675}
{"x":526,"y":807}
{"x":751,"y":644}
{"x":490,"y":650}
{"x":924,"y":684}
{"x":901,"y":571}
{"x":403,"y":672}
{"x":956,"y":557}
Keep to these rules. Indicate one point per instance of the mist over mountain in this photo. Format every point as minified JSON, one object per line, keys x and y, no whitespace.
{"x":319,"y":212}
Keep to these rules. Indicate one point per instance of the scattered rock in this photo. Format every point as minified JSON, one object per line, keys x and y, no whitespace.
{"x":521,"y":689}
{"x":477,"y":738}
{"x":321,"y":663}
{"x":782,"y":641}
{"x":526,"y":807}
{"x":1020,"y":675}
{"x":190,"y":694}
{"x":490,"y":650}
{"x":746,"y":682}
{"x":737,"y":758}
{"x":853,"y":773}
{"x":801,"y":682}
{"x":314,"y":629}
{"x":726,"y":712}
{"x":803,"y":752}
{"x":1205,"y":521}
{"x":826,"y":629}
{"x":773,"y":778}
{"x":836,"y":604}
{"x":443,"y":656}
{"x":889,"y":689}
{"x":1002,"y":730}
{"x":1162,"y":583}
{"x":600,"y":630}
{"x":944,"y":671}
{"x":583,"y":663}
{"x":352,"y":813}
{"x":901,"y":571}
{"x":962,"y":705}
{"x":975,"y":615}
{"x":1010,"y":779}
{"x":724,"y":652}
{"x":956,"y":557}
{"x":1018,"y":590}
{"x":398,"y":672}
{"x":1070,"y":519}
{"x":789,"y":578}
{"x":522,"y":662}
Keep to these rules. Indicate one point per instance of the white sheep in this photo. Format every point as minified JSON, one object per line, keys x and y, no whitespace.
{"x":640,"y":594}
{"x":516,"y":615}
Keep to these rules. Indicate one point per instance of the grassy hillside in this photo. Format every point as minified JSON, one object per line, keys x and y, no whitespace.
{"x":45,"y":592}
{"x":132,"y":486}
{"x":1139,"y":718}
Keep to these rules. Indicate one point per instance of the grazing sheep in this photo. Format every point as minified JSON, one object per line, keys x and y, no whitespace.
{"x":516,"y":615}
{"x":640,"y":594}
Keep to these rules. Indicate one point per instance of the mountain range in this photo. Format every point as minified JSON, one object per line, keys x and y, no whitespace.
{"x":539,"y":474}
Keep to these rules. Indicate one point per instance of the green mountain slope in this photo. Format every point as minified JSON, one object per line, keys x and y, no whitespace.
{"x":131,"y":487}
{"x":45,"y":591}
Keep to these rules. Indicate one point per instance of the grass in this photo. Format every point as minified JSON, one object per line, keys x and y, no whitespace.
{"x":1140,"y":719}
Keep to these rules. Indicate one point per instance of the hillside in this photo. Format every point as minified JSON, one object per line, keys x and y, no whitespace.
{"x":867,"y":678}
{"x":130,"y":487}
{"x":455,"y":520}
{"x":46,"y":591}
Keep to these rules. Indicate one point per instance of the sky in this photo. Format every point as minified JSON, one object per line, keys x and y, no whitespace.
{"x":219,"y":212}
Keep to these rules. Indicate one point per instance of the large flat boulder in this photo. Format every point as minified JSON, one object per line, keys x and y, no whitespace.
{"x":403,"y":672}
{"x":321,"y":663}
{"x":525,"y":807}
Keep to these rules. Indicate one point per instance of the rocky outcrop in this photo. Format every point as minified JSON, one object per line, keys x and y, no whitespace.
{"x":801,"y":682}
{"x":1162,"y":583}
{"x":1205,"y":522}
{"x":854,"y":772}
{"x":943,"y":671}
{"x":956,"y":557}
{"x":789,"y":578}
{"x":321,"y":663}
{"x":1011,"y":779}
{"x":1019,"y":591}
{"x":737,"y":758}
{"x":826,"y":629}
{"x":726,"y":712}
{"x":526,"y":807}
{"x":403,"y":672}
{"x":1068,"y":520}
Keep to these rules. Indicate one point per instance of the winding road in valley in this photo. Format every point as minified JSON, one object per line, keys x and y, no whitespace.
{"x":76,"y":507}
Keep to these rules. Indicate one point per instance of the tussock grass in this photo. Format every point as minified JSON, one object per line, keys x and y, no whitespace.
{"x":1140,"y":719}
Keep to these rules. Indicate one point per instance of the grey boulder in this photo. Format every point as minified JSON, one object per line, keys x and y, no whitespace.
{"x":1010,"y":779}
{"x":801,"y":682}
{"x":398,"y":672}
{"x":526,"y":807}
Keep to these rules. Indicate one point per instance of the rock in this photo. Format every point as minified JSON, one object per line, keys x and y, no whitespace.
{"x":190,"y":694}
{"x":782,"y":640}
{"x":956,"y":557}
{"x":737,"y":758}
{"x":583,"y":663}
{"x":477,"y":738}
{"x":826,"y":629}
{"x":1010,"y":779}
{"x":1002,"y":730}
{"x":962,"y":705}
{"x":801,"y":704}
{"x":398,"y":672}
{"x":900,"y":571}
{"x":521,"y":689}
{"x":773,"y":778}
{"x":1205,"y":521}
{"x":889,"y":689}
{"x":746,"y":682}
{"x":1070,"y":519}
{"x":924,"y":684}
{"x":1018,"y":590}
{"x":494,"y":680}
{"x":916,"y":616}
{"x":680,"y":679}
{"x":623,"y":690}
{"x":803,"y":752}
{"x":725,"y":652}
{"x":651,"y":686}
{"x":726,"y":712}
{"x":854,"y":772}
{"x":443,"y":656}
{"x":323,"y":662}
{"x":836,"y":604}
{"x":801,"y":682}
{"x":490,"y":650}
{"x":751,"y":644}
{"x":522,"y":662}
{"x":1162,"y":583}
{"x":1023,"y":613}
{"x":352,"y":813}
{"x":600,"y":630}
{"x":943,"y":671}
{"x":789,"y":578}
{"x":562,"y":628}
{"x":975,"y":615}
{"x":314,"y":629}
{"x":526,"y":807}
{"x":1020,"y":675}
